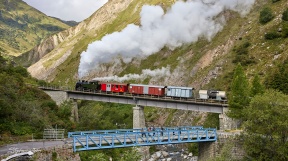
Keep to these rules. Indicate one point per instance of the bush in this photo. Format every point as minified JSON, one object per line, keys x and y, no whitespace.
{"x":285,"y":29}
{"x":242,"y":49}
{"x":22,"y":71}
{"x":266,"y":15}
{"x":272,"y":35}
{"x":273,"y":1}
{"x":285,"y":15}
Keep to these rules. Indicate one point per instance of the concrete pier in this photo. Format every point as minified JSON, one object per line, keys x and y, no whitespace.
{"x":138,"y":117}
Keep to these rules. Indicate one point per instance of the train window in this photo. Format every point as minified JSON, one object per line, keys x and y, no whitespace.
{"x":121,"y":86}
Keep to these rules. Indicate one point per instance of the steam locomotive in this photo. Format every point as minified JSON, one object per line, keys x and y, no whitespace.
{"x":152,"y":90}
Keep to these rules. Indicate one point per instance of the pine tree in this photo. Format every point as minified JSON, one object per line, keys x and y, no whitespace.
{"x":278,"y":78}
{"x":257,"y":87}
{"x":239,"y":95}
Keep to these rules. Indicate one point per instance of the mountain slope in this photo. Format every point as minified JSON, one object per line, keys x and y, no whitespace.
{"x":195,"y":64}
{"x":71,"y":45}
{"x":22,"y":27}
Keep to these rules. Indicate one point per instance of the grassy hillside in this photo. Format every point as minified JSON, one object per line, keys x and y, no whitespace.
{"x":23,"y":27}
{"x":26,"y":110}
{"x":254,"y":48}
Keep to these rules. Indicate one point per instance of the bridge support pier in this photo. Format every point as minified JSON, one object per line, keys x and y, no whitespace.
{"x":139,"y":122}
{"x":138,"y":117}
{"x":74,"y":112}
{"x":227,"y":123}
{"x":207,"y":150}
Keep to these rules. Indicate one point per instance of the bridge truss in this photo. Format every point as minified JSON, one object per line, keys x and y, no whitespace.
{"x":104,"y":139}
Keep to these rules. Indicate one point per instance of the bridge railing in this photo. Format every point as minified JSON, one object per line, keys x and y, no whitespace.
{"x":71,"y":134}
{"x":142,"y":138}
{"x":182,"y":99}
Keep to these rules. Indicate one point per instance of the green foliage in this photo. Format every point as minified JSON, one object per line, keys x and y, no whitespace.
{"x":132,"y":155}
{"x":21,"y":128}
{"x":242,"y":49}
{"x":265,"y":133}
{"x":193,"y":148}
{"x":120,"y":154}
{"x":239,"y":95}
{"x":225,"y":153}
{"x":26,"y":109}
{"x":212,"y":120}
{"x":285,"y":15}
{"x":50,"y":27}
{"x":274,"y":1}
{"x":54,"y":156}
{"x":266,"y":15}
{"x":272,"y":35}
{"x":42,"y":83}
{"x":98,"y":157}
{"x":99,"y":116}
{"x":20,"y":70}
{"x":285,"y":29}
{"x":277,"y":78}
{"x":257,"y":87}
{"x":242,"y":54}
{"x":92,"y":155}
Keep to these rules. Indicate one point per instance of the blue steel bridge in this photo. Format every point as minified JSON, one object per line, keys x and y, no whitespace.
{"x":104,"y":139}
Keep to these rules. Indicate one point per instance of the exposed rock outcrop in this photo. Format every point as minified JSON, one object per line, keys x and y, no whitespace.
{"x":57,"y":48}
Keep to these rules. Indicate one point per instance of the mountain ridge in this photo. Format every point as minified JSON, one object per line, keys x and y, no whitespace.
{"x":23,"y":27}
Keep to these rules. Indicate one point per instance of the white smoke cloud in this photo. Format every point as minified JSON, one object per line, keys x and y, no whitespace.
{"x":145,"y":73}
{"x":183,"y":23}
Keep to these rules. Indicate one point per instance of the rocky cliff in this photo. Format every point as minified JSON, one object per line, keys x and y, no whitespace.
{"x":54,"y":50}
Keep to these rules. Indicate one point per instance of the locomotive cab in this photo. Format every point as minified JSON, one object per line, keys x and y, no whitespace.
{"x":87,"y":86}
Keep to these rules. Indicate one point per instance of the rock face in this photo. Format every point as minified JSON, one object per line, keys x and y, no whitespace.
{"x":172,"y":152}
{"x":41,"y":50}
{"x":56,"y":49}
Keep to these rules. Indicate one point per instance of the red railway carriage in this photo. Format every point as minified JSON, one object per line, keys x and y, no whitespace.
{"x":157,"y":90}
{"x":141,"y":89}
{"x":114,"y":87}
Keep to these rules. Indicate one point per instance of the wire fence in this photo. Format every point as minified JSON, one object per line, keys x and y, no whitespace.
{"x":54,"y":134}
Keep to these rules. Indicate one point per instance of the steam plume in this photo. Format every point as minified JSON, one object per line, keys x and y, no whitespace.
{"x":145,"y":73}
{"x":183,"y":23}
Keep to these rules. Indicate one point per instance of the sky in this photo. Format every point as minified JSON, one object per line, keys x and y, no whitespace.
{"x":76,"y":10}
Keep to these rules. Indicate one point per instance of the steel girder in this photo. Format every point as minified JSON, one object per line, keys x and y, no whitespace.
{"x":103,"y":139}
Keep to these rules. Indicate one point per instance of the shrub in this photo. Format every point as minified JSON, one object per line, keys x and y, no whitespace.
{"x":272,"y":35}
{"x":266,"y":15}
{"x":285,"y":15}
{"x":242,"y":54}
{"x":22,"y":71}
{"x":242,"y":49}
{"x":273,"y":1}
{"x":285,"y":29}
